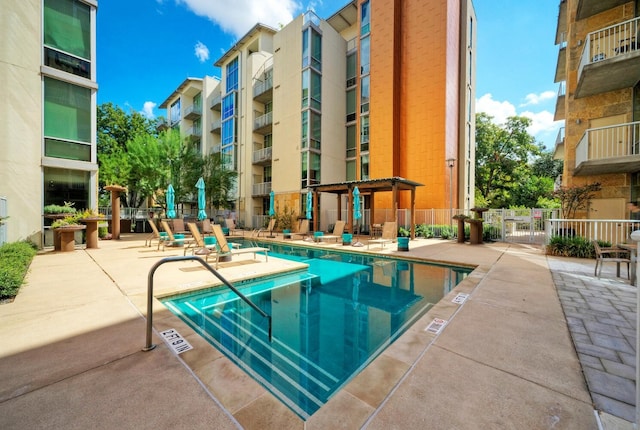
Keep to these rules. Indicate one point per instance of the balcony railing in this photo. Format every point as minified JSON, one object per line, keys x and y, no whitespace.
{"x":558,"y":153}
{"x":261,"y":87}
{"x":216,"y":125}
{"x":607,"y":44}
{"x":608,"y":149}
{"x":216,"y":102}
{"x":195,"y":131}
{"x":262,"y":155}
{"x":261,"y":189}
{"x":559,"y":114}
{"x":263,"y":121}
{"x":193,"y":112}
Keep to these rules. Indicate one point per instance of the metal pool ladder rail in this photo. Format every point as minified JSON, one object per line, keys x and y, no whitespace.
{"x":149,"y":346}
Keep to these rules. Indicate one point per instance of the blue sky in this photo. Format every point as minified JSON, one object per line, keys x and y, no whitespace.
{"x":146,"y":48}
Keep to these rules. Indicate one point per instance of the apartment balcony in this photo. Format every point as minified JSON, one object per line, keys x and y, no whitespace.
{"x":263,"y":124}
{"x":263,"y":90}
{"x":558,"y":152}
{"x":611,"y":149}
{"x":216,"y":125}
{"x":162,"y":124}
{"x":262,"y":156}
{"x":261,"y":189}
{"x":194,"y":132}
{"x":216,"y":148}
{"x":216,"y":103}
{"x":560,"y":113}
{"x":610,"y":59}
{"x":193,"y":112}
{"x":588,"y":8}
{"x":561,"y":27}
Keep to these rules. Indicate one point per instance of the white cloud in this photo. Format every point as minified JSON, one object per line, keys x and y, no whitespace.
{"x":239,"y":16}
{"x":542,"y":127}
{"x":201,"y":51}
{"x":534,"y":99}
{"x":147,"y":109}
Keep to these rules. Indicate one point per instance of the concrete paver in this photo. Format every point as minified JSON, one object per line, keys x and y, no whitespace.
{"x":71,"y":349}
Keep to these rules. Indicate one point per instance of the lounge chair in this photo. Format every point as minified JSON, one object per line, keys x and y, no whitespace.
{"x":303,"y":229}
{"x":206,"y":227}
{"x":228,"y":249}
{"x":198,"y":246}
{"x":269,"y":228}
{"x":231,"y":225}
{"x":171,"y":239}
{"x":178,"y":226}
{"x":613,"y":254}
{"x":336,"y":235}
{"x":389,"y":234}
{"x":155,"y":234}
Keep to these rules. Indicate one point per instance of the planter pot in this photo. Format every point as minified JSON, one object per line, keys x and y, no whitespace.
{"x":286,"y":233}
{"x":403,"y":244}
{"x":67,"y":237}
{"x":316,"y":235}
{"x":347,"y":238}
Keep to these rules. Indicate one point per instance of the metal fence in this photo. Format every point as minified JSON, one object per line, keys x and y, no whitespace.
{"x":607,"y":230}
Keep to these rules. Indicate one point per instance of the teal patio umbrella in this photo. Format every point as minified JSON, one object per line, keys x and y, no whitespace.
{"x":272,"y":210}
{"x":357,"y":213}
{"x":309,"y":213}
{"x":202,"y":214}
{"x":171,"y":196}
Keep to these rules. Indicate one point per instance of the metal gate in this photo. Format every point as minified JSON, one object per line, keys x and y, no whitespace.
{"x":525,"y":225}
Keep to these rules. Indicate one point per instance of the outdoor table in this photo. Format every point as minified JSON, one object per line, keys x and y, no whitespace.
{"x":633,"y":249}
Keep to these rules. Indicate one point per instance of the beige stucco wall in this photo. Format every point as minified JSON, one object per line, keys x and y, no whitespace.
{"x":21,"y":117}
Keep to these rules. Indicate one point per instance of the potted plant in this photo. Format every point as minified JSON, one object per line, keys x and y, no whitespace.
{"x":59,"y":211}
{"x":403,"y":239}
{"x":64,"y":232}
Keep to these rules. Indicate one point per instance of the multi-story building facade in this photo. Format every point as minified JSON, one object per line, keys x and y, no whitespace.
{"x":598,"y":71}
{"x":48,"y":118}
{"x":379,"y":89}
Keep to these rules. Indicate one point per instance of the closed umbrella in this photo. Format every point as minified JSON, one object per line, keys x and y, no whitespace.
{"x":272,"y":210}
{"x":309,"y":205}
{"x":202,"y":214}
{"x":357,"y":213}
{"x":171,"y":195}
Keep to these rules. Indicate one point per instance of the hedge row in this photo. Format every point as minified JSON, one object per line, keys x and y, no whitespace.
{"x":15,"y":259}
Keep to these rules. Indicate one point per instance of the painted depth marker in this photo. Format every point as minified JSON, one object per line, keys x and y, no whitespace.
{"x":460,"y":298}
{"x":176,"y":341}
{"x":436,"y":325}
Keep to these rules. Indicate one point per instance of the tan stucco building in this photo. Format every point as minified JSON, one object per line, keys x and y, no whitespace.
{"x":598,"y":71}
{"x":48,"y":117}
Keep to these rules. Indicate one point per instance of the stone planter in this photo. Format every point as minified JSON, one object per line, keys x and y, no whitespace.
{"x":67,"y":237}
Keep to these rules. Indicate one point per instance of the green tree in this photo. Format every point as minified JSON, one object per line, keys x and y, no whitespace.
{"x":503,"y":156}
{"x":219,"y":181}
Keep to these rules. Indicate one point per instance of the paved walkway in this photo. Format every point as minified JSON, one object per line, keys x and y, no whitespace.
{"x":601,"y":315}
{"x":71,"y":350}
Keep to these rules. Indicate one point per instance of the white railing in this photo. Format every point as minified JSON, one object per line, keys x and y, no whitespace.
{"x":194,"y":131}
{"x":620,"y":140}
{"x":562,"y":89}
{"x":263,"y":120}
{"x":197,"y":109}
{"x":610,"y":230}
{"x":261,"y":155}
{"x":262,"y":86}
{"x":216,"y":124}
{"x":216,"y":101}
{"x":261,"y":189}
{"x":609,"y":42}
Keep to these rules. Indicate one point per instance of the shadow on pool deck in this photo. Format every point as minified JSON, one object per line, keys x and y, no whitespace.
{"x":72,"y":358}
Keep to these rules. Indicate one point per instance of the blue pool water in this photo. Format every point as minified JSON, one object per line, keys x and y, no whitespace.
{"x":329,"y":321}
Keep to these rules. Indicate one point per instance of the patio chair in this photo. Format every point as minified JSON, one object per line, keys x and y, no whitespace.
{"x":198,"y":246}
{"x":206,"y":227}
{"x":389,"y":234}
{"x":171,"y":239}
{"x":303,"y":229}
{"x":155,"y":233}
{"x":178,"y":226}
{"x":229,"y":248}
{"x":231,"y":225}
{"x":336,"y":235}
{"x":611,"y":254}
{"x":269,"y":228}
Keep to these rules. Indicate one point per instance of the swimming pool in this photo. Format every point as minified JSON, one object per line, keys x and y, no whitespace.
{"x":329,"y":321}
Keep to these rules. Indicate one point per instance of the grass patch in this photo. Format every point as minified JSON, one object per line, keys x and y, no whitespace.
{"x":15,"y":259}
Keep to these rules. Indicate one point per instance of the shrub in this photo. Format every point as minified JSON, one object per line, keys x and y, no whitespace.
{"x":575,"y":246}
{"x":15,"y":259}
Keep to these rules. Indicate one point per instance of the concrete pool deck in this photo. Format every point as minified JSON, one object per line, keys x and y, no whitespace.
{"x":71,"y":350}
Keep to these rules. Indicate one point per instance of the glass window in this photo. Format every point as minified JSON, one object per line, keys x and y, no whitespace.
{"x":197,"y":102}
{"x":365,"y":18}
{"x":304,"y":133}
{"x":174,"y":112}
{"x":316,"y":50}
{"x":232,"y":75}
{"x":316,"y":90}
{"x":365,"y":55}
{"x":351,"y":141}
{"x":351,"y":105}
{"x":351,"y":70}
{"x":310,"y":168}
{"x":316,"y":130}
{"x":67,"y":111}
{"x":64,"y":185}
{"x":364,"y":167}
{"x":351,"y":170}
{"x":67,"y":27}
{"x":67,"y":63}
{"x":268,"y":140}
{"x":364,"y":133}
{"x":228,"y":131}
{"x":228,"y":105}
{"x":364,"y":94}
{"x":67,"y":150}
{"x":305,"y":87}
{"x":305,"y":47}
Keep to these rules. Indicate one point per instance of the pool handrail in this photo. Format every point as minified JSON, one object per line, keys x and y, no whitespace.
{"x":149,"y":345}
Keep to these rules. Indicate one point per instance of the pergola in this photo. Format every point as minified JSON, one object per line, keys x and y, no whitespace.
{"x":372,"y":186}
